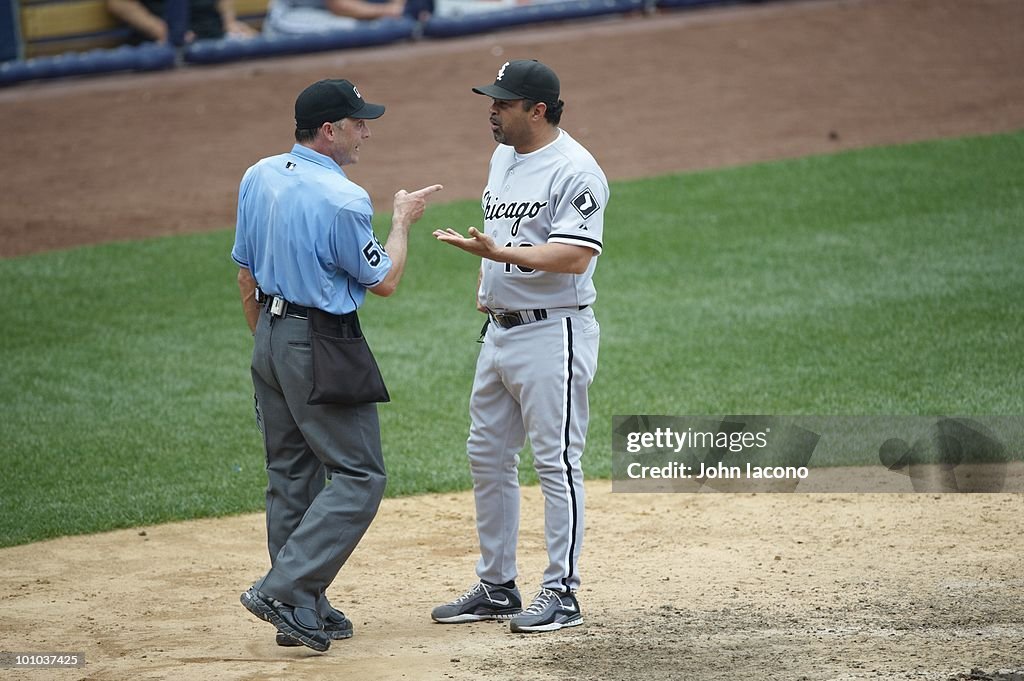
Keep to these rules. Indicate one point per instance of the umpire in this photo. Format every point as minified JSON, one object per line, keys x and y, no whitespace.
{"x":307,"y":256}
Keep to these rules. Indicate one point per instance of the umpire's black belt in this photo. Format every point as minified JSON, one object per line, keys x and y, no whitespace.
{"x":279,"y":307}
{"x":507,"y":320}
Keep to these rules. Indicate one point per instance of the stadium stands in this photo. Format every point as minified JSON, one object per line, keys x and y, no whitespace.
{"x":43,"y":39}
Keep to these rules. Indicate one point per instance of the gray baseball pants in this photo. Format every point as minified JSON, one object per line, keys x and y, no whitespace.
{"x":312,"y":528}
{"x":532,"y":380}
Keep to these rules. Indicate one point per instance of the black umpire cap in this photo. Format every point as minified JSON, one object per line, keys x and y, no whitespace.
{"x":523,"y":79}
{"x":331,"y":100}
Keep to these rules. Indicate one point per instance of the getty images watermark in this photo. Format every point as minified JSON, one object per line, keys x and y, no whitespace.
{"x":817,"y":454}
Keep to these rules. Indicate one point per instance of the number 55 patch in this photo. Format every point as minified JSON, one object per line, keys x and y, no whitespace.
{"x":585,"y":203}
{"x":373,"y":252}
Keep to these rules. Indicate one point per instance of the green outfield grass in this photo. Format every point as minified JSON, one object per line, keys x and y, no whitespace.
{"x":884,"y":281}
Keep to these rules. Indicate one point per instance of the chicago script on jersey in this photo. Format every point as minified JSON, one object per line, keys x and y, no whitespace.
{"x":493,"y":210}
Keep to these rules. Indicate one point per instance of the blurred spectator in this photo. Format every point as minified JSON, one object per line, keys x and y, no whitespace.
{"x":207,"y":19}
{"x":299,"y":17}
{"x":457,"y":8}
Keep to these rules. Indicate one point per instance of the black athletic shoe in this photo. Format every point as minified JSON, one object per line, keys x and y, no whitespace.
{"x":336,"y":625}
{"x":481,"y":602}
{"x":301,"y":624}
{"x":286,"y":641}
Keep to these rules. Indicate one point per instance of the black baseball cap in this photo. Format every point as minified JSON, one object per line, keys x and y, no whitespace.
{"x":331,"y":100}
{"x":523,"y":79}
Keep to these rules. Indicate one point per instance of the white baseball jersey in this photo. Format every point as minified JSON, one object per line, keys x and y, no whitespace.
{"x":556,"y":194}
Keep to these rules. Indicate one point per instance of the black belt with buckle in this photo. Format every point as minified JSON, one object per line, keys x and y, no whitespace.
{"x":508,"y":320}
{"x":287,"y":309}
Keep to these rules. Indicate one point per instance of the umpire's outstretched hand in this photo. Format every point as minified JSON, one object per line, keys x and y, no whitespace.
{"x":409,"y":206}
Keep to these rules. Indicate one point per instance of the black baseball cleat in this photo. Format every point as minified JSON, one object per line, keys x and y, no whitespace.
{"x":301,"y":624}
{"x":336,"y":625}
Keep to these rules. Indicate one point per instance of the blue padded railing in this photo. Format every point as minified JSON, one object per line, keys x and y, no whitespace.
{"x":377,"y":32}
{"x":145,"y":57}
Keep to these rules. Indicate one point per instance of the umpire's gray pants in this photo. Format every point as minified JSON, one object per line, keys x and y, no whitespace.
{"x":312,"y":529}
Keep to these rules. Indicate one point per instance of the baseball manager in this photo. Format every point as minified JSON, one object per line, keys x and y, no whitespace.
{"x":543,"y":212}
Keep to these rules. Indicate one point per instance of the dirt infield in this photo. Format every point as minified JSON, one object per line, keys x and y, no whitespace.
{"x":678,"y":586}
{"x":684,"y":586}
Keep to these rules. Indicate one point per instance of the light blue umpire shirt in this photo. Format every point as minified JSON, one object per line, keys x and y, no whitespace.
{"x":304,"y":232}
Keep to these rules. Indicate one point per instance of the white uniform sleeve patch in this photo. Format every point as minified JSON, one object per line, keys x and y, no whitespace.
{"x":585,"y":203}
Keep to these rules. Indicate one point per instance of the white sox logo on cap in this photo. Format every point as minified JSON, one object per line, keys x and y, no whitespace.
{"x":523,"y":79}
{"x":356,"y":90}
